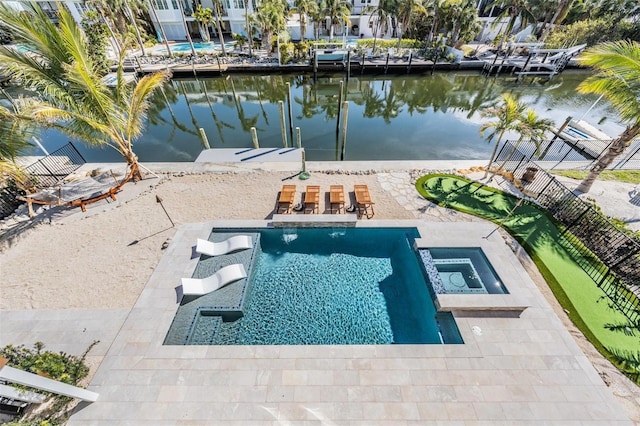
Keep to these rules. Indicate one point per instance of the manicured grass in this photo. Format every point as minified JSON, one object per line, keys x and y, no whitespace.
{"x":628,"y":176}
{"x":542,"y":238}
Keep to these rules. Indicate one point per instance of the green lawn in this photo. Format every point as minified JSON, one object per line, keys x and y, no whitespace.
{"x":628,"y":176}
{"x":540,"y":236}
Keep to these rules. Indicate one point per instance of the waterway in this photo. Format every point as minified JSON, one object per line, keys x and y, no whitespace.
{"x":406,"y":117}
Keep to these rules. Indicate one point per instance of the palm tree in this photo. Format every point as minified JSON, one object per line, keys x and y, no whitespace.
{"x":216,"y":13}
{"x":618,"y":79}
{"x":317,"y":15}
{"x":381,"y":15}
{"x":186,"y":28}
{"x":247,"y":25}
{"x":15,"y":132}
{"x":304,"y":8}
{"x":530,"y":127}
{"x":74,"y":99}
{"x":513,"y":9}
{"x":162,"y":34}
{"x":338,"y":12}
{"x":507,"y":116}
{"x":460,"y":18}
{"x":119,"y":12}
{"x":270,"y":17}
{"x":405,"y":11}
{"x":204,"y":17}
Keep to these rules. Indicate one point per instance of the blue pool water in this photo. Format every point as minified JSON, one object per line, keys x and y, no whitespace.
{"x":200,"y":47}
{"x":331,"y":286}
{"x":465,"y":270}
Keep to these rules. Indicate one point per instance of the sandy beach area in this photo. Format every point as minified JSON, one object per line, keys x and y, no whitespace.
{"x":89,"y":262}
{"x":103,"y":258}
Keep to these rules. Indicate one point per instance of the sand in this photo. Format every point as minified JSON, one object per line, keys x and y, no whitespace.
{"x":89,"y":262}
{"x":103,"y":258}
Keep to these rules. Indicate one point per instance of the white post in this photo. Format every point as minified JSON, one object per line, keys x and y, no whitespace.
{"x":345,"y":117}
{"x":205,"y":140}
{"x":254,"y":137}
{"x":283,"y":124}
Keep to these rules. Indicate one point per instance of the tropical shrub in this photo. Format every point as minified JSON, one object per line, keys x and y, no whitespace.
{"x":591,"y":32}
{"x":406,"y":43}
{"x":286,"y":52}
{"x":60,"y":366}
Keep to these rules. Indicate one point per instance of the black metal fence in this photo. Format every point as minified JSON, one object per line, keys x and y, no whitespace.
{"x":580,"y":153}
{"x":610,"y":256}
{"x":45,"y":172}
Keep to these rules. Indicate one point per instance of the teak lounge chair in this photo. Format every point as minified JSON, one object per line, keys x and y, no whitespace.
{"x":226,"y":275}
{"x":363,"y":201}
{"x":235,"y":243}
{"x":285,"y":200}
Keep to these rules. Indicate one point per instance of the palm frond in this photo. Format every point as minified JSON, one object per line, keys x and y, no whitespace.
{"x":15,"y":133}
{"x":139,"y":103}
{"x":617,"y":78}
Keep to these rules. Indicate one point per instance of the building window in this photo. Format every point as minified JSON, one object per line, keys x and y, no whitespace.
{"x":238,"y":4}
{"x":161,"y":4}
{"x":174,"y":5}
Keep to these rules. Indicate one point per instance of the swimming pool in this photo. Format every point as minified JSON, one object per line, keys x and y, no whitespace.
{"x":200,"y":47}
{"x":322,"y":286}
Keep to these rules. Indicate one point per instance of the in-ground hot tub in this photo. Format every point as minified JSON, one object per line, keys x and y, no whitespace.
{"x":461,"y":270}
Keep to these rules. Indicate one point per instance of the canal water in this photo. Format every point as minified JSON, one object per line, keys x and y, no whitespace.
{"x":406,"y":117}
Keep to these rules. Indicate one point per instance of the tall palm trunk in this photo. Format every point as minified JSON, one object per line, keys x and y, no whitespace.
{"x":493,"y":154}
{"x":164,"y":36}
{"x":186,"y":28}
{"x":303,"y":26}
{"x":135,"y":27}
{"x":616,"y":148}
{"x":248,"y":26}
{"x":219,"y":28}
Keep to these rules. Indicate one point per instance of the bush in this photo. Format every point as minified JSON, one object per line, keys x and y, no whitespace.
{"x":286,"y":52}
{"x":367,"y":43}
{"x":60,"y":366}
{"x":591,"y":32}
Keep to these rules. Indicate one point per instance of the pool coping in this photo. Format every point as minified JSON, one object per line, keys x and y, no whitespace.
{"x":511,"y":367}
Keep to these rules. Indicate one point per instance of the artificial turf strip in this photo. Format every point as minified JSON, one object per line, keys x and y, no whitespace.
{"x":542,"y":239}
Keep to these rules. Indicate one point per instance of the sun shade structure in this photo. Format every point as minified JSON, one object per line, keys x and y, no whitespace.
{"x":21,"y":377}
{"x":200,"y":286}
{"x":235,"y":243}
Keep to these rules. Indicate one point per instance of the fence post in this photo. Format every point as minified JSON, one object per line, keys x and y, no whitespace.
{"x":561,"y":160}
{"x":77,"y":152}
{"x":621,"y":163}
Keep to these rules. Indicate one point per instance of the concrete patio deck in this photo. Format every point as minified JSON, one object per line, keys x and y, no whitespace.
{"x":511,"y":370}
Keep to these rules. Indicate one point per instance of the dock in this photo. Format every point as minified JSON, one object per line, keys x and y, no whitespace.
{"x":241,"y":155}
{"x":537,"y":63}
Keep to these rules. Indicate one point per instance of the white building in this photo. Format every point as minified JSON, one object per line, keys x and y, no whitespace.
{"x":233,"y":19}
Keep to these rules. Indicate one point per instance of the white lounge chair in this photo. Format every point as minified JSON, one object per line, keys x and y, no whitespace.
{"x":238,"y":242}
{"x":226,"y":275}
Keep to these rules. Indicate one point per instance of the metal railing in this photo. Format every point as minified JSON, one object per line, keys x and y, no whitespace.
{"x":609,"y":255}
{"x":45,"y":172}
{"x":576,"y":154}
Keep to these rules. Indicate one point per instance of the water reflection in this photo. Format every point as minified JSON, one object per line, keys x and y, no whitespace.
{"x":413,"y":117}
